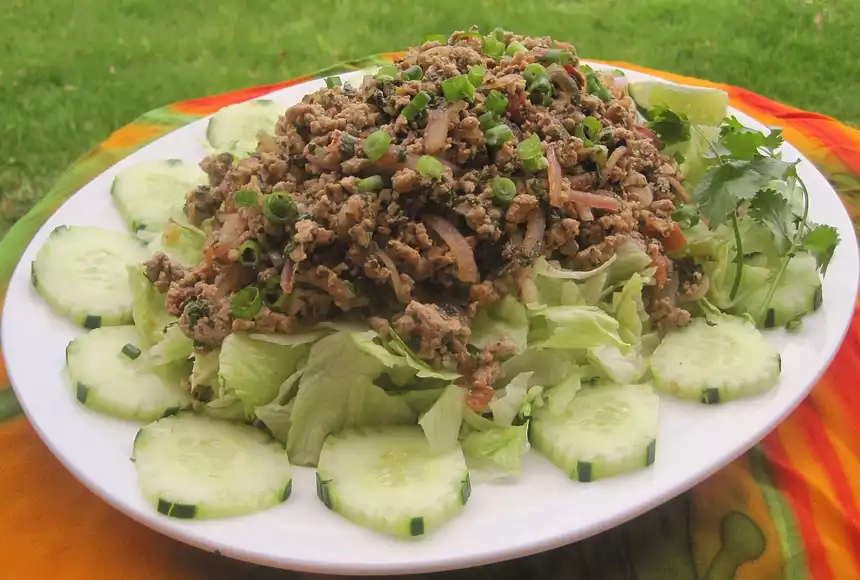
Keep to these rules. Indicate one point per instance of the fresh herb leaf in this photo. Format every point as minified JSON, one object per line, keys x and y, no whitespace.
{"x":821,"y":242}
{"x":679,"y":157}
{"x":743,"y":143}
{"x":723,"y":188}
{"x":772,"y":210}
{"x":687,"y":216}
{"x":671,"y":127}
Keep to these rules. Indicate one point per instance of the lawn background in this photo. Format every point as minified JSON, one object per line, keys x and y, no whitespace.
{"x":73,"y":71}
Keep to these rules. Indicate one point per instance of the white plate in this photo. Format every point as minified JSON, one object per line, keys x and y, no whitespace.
{"x":542,"y":510}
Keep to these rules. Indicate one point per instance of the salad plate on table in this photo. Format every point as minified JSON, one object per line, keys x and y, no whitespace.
{"x":472,"y":305}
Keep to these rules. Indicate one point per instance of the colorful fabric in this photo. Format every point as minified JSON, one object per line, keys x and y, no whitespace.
{"x":790,"y":508}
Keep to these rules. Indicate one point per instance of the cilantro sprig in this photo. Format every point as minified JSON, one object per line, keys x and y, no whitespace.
{"x":749,"y":176}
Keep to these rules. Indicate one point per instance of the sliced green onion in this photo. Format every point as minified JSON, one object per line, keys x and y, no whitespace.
{"x":429,"y":166}
{"x":504,"y":191}
{"x":273,"y":296}
{"x":377,"y":144}
{"x":332,"y":82}
{"x":387,"y":72}
{"x":594,"y":86}
{"x":557,"y":56}
{"x":476,"y":74}
{"x":498,"y":135}
{"x":499,"y":33}
{"x":245,"y":197}
{"x":249,"y":253}
{"x":515,"y":47}
{"x":131,"y":351}
{"x":247,"y":303}
{"x":372,"y":183}
{"x":541,"y":86}
{"x":279,"y":207}
{"x":496,"y":102}
{"x":530,"y":147}
{"x":535,"y":71}
{"x":418,"y":103}
{"x":347,"y":145}
{"x":588,"y":130}
{"x":457,"y":88}
{"x":436,"y":38}
{"x":493,"y":47}
{"x":413,"y":73}
{"x":533,"y":164}
{"x":488,"y":121}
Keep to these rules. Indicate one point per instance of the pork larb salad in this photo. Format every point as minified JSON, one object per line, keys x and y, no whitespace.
{"x":413,"y":275}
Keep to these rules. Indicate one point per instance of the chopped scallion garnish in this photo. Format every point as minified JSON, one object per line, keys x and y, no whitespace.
{"x":413,"y":73}
{"x":245,"y":197}
{"x":332,"y":82}
{"x":279,"y":207}
{"x":504,"y":191}
{"x":429,"y":166}
{"x":247,"y":303}
{"x":372,"y":183}
{"x":496,"y":102}
{"x":498,"y":135}
{"x":515,"y":47}
{"x":377,"y":144}
{"x":457,"y":88}
{"x":476,"y":74}
{"x":418,"y":103}
{"x":493,"y":47}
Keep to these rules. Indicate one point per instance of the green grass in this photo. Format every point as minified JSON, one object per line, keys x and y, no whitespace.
{"x":71,"y":72}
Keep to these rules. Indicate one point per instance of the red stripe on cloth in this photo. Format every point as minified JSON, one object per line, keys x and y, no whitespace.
{"x":208,"y":105}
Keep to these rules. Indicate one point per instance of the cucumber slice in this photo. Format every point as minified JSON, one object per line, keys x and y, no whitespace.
{"x":149,"y":194}
{"x":388,"y":480}
{"x":798,"y":294}
{"x":715,"y":360}
{"x":81,"y":272}
{"x":112,"y":374}
{"x":605,"y":431}
{"x":234,"y":129}
{"x":191,"y":466}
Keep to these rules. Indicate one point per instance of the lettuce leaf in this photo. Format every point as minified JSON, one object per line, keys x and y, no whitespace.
{"x":497,"y":451}
{"x":548,"y":367}
{"x":574,"y":327}
{"x":508,"y":400}
{"x":253,"y":370}
{"x":622,"y":368}
{"x":558,"y":398}
{"x":441,"y":423}
{"x":182,"y":243}
{"x":368,"y":404}
{"x":174,"y":346}
{"x":629,"y":310}
{"x":334,"y":366}
{"x":204,"y":375}
{"x":505,"y":319}
{"x":276,"y":416}
{"x":148,"y":311}
{"x":420,"y":400}
{"x":424,"y":370}
{"x":721,"y":273}
{"x":630,"y":258}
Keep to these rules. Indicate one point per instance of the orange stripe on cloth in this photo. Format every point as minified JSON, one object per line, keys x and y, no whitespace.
{"x":133,"y":135}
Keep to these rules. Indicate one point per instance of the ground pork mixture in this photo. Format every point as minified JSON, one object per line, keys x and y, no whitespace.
{"x":424,"y":194}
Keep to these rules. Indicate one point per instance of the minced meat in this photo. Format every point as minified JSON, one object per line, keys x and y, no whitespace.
{"x":413,"y":237}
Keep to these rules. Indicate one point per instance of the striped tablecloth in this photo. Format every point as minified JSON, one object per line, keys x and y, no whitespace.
{"x":790,"y":508}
